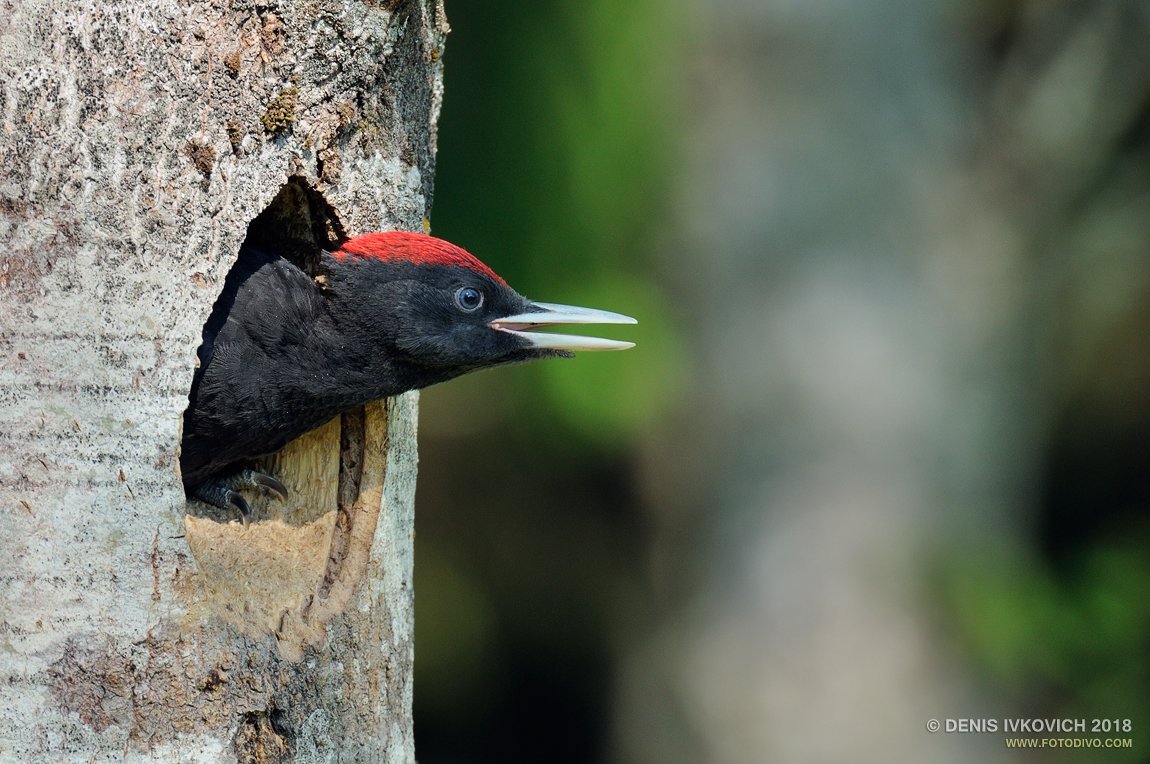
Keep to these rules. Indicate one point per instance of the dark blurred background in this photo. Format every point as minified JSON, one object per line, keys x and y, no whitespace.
{"x":882,"y":453}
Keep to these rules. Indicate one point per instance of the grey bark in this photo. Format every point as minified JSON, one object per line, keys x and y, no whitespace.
{"x":139,"y":140}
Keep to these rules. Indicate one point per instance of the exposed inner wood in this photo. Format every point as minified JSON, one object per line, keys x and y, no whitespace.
{"x":299,"y":563}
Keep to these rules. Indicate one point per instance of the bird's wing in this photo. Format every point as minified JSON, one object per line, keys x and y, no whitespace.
{"x":265,"y":310}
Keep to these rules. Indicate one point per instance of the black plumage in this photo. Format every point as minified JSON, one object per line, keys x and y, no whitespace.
{"x":283,"y":352}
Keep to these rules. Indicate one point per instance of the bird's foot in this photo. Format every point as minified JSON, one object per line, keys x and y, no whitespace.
{"x":224,"y":492}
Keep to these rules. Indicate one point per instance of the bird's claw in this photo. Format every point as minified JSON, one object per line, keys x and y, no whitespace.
{"x":240,"y":503}
{"x":263,"y":480}
{"x":224,"y":492}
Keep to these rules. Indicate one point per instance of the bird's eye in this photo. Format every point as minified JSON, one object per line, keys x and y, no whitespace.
{"x":468,"y":299}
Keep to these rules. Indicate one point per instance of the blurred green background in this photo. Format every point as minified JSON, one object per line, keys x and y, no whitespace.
{"x":882,"y":453}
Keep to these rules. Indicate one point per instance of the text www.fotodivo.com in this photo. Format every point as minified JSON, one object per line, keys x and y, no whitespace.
{"x":1069,"y":742}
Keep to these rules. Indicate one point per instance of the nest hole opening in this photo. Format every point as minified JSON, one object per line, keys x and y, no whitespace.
{"x":297,"y":225}
{"x":298,"y":562}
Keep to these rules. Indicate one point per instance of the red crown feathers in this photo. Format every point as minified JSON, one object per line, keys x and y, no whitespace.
{"x":416,"y":248}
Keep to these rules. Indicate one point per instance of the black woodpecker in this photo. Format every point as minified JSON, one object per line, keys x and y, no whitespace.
{"x":283,"y":352}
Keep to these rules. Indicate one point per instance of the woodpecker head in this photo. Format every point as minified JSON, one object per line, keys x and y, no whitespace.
{"x":442,"y":312}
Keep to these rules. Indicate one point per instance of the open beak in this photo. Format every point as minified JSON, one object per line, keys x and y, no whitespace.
{"x":550,"y":314}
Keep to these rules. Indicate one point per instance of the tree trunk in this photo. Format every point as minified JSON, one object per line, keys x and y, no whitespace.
{"x":141,"y":142}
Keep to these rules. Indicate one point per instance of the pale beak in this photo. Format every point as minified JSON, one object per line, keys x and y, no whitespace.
{"x":550,"y":314}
